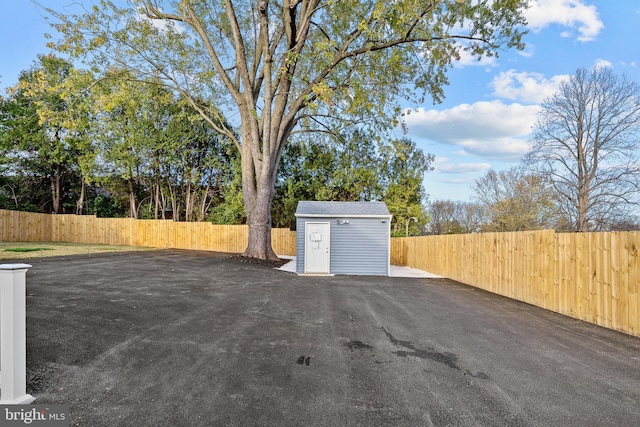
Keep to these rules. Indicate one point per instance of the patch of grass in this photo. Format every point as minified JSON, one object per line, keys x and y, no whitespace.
{"x":24,"y":250}
{"x":27,"y":249}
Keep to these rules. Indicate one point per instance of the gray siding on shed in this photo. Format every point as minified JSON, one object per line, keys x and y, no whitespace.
{"x":360,"y":247}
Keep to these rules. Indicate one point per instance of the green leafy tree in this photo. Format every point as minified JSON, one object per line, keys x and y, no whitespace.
{"x":354,"y":167}
{"x":230,"y":206}
{"x":356,"y":173}
{"x":42,"y":135}
{"x":168,"y":158}
{"x":125,"y":132}
{"x":200,"y":163}
{"x":72,"y":114}
{"x":105,"y":206}
{"x":305,"y":173}
{"x":24,"y":192}
{"x":19,"y":127}
{"x":340,"y":167}
{"x":284,"y":65}
{"x":403,"y":169}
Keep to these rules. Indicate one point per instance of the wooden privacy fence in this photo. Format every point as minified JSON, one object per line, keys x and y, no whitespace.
{"x":588,"y":276}
{"x":33,"y":227}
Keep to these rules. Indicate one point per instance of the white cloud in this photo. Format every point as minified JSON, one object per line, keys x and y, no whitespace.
{"x":574,"y":14}
{"x":632,"y":64}
{"x":464,"y":168}
{"x":602,"y":63}
{"x":457,"y":173}
{"x":460,"y":153}
{"x":525,"y":86}
{"x":487,"y":129}
{"x":528,"y":51}
{"x":496,"y":148}
{"x":467,"y":180}
{"x":469,"y":60}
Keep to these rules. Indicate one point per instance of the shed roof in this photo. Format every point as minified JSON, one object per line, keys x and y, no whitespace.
{"x":311,"y":208}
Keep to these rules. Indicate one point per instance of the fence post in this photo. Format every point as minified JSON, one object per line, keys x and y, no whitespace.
{"x":13,"y":341}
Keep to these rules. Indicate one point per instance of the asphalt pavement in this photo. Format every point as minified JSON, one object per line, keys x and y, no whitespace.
{"x":181,"y":338}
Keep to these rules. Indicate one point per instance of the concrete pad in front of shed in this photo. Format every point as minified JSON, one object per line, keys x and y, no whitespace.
{"x":403,"y":271}
{"x":396,"y":270}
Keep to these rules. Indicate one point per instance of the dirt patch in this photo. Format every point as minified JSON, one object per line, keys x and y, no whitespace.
{"x":267,"y":263}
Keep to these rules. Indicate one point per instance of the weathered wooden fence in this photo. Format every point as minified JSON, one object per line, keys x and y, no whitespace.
{"x":589,"y":276}
{"x":32,"y":227}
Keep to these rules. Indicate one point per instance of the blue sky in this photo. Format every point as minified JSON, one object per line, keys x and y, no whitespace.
{"x":490,"y":107}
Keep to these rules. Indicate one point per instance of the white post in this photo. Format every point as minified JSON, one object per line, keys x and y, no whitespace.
{"x":13,"y":340}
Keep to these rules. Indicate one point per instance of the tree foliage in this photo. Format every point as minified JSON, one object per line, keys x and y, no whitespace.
{"x":403,"y":170}
{"x":586,"y":142}
{"x":290,"y":64}
{"x":515,"y":200}
{"x":109,"y":146}
{"x":40,"y":135}
{"x":354,"y":167}
{"x":143,"y":152}
{"x":161,"y":150}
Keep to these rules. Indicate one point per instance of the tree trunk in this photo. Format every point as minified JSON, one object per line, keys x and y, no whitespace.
{"x":188,"y":203}
{"x":259,"y":222}
{"x":80,"y":202}
{"x":56,"y":190}
{"x":583,"y":222}
{"x":15,"y":198}
{"x":257,"y":189}
{"x":205,"y":203}
{"x":174,"y":206}
{"x":156,"y":209}
{"x":163,"y":204}
{"x":132,"y":199}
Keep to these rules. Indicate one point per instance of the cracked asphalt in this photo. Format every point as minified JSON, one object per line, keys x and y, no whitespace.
{"x":180,"y":338}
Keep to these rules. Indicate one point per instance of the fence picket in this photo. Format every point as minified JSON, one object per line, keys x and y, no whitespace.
{"x":634,"y":278}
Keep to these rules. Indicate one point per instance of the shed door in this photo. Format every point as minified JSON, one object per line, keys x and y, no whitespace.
{"x":316,"y":247}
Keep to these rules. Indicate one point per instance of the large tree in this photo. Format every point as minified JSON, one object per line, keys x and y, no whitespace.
{"x":280,"y":64}
{"x":586,"y":142}
{"x":41,"y":134}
